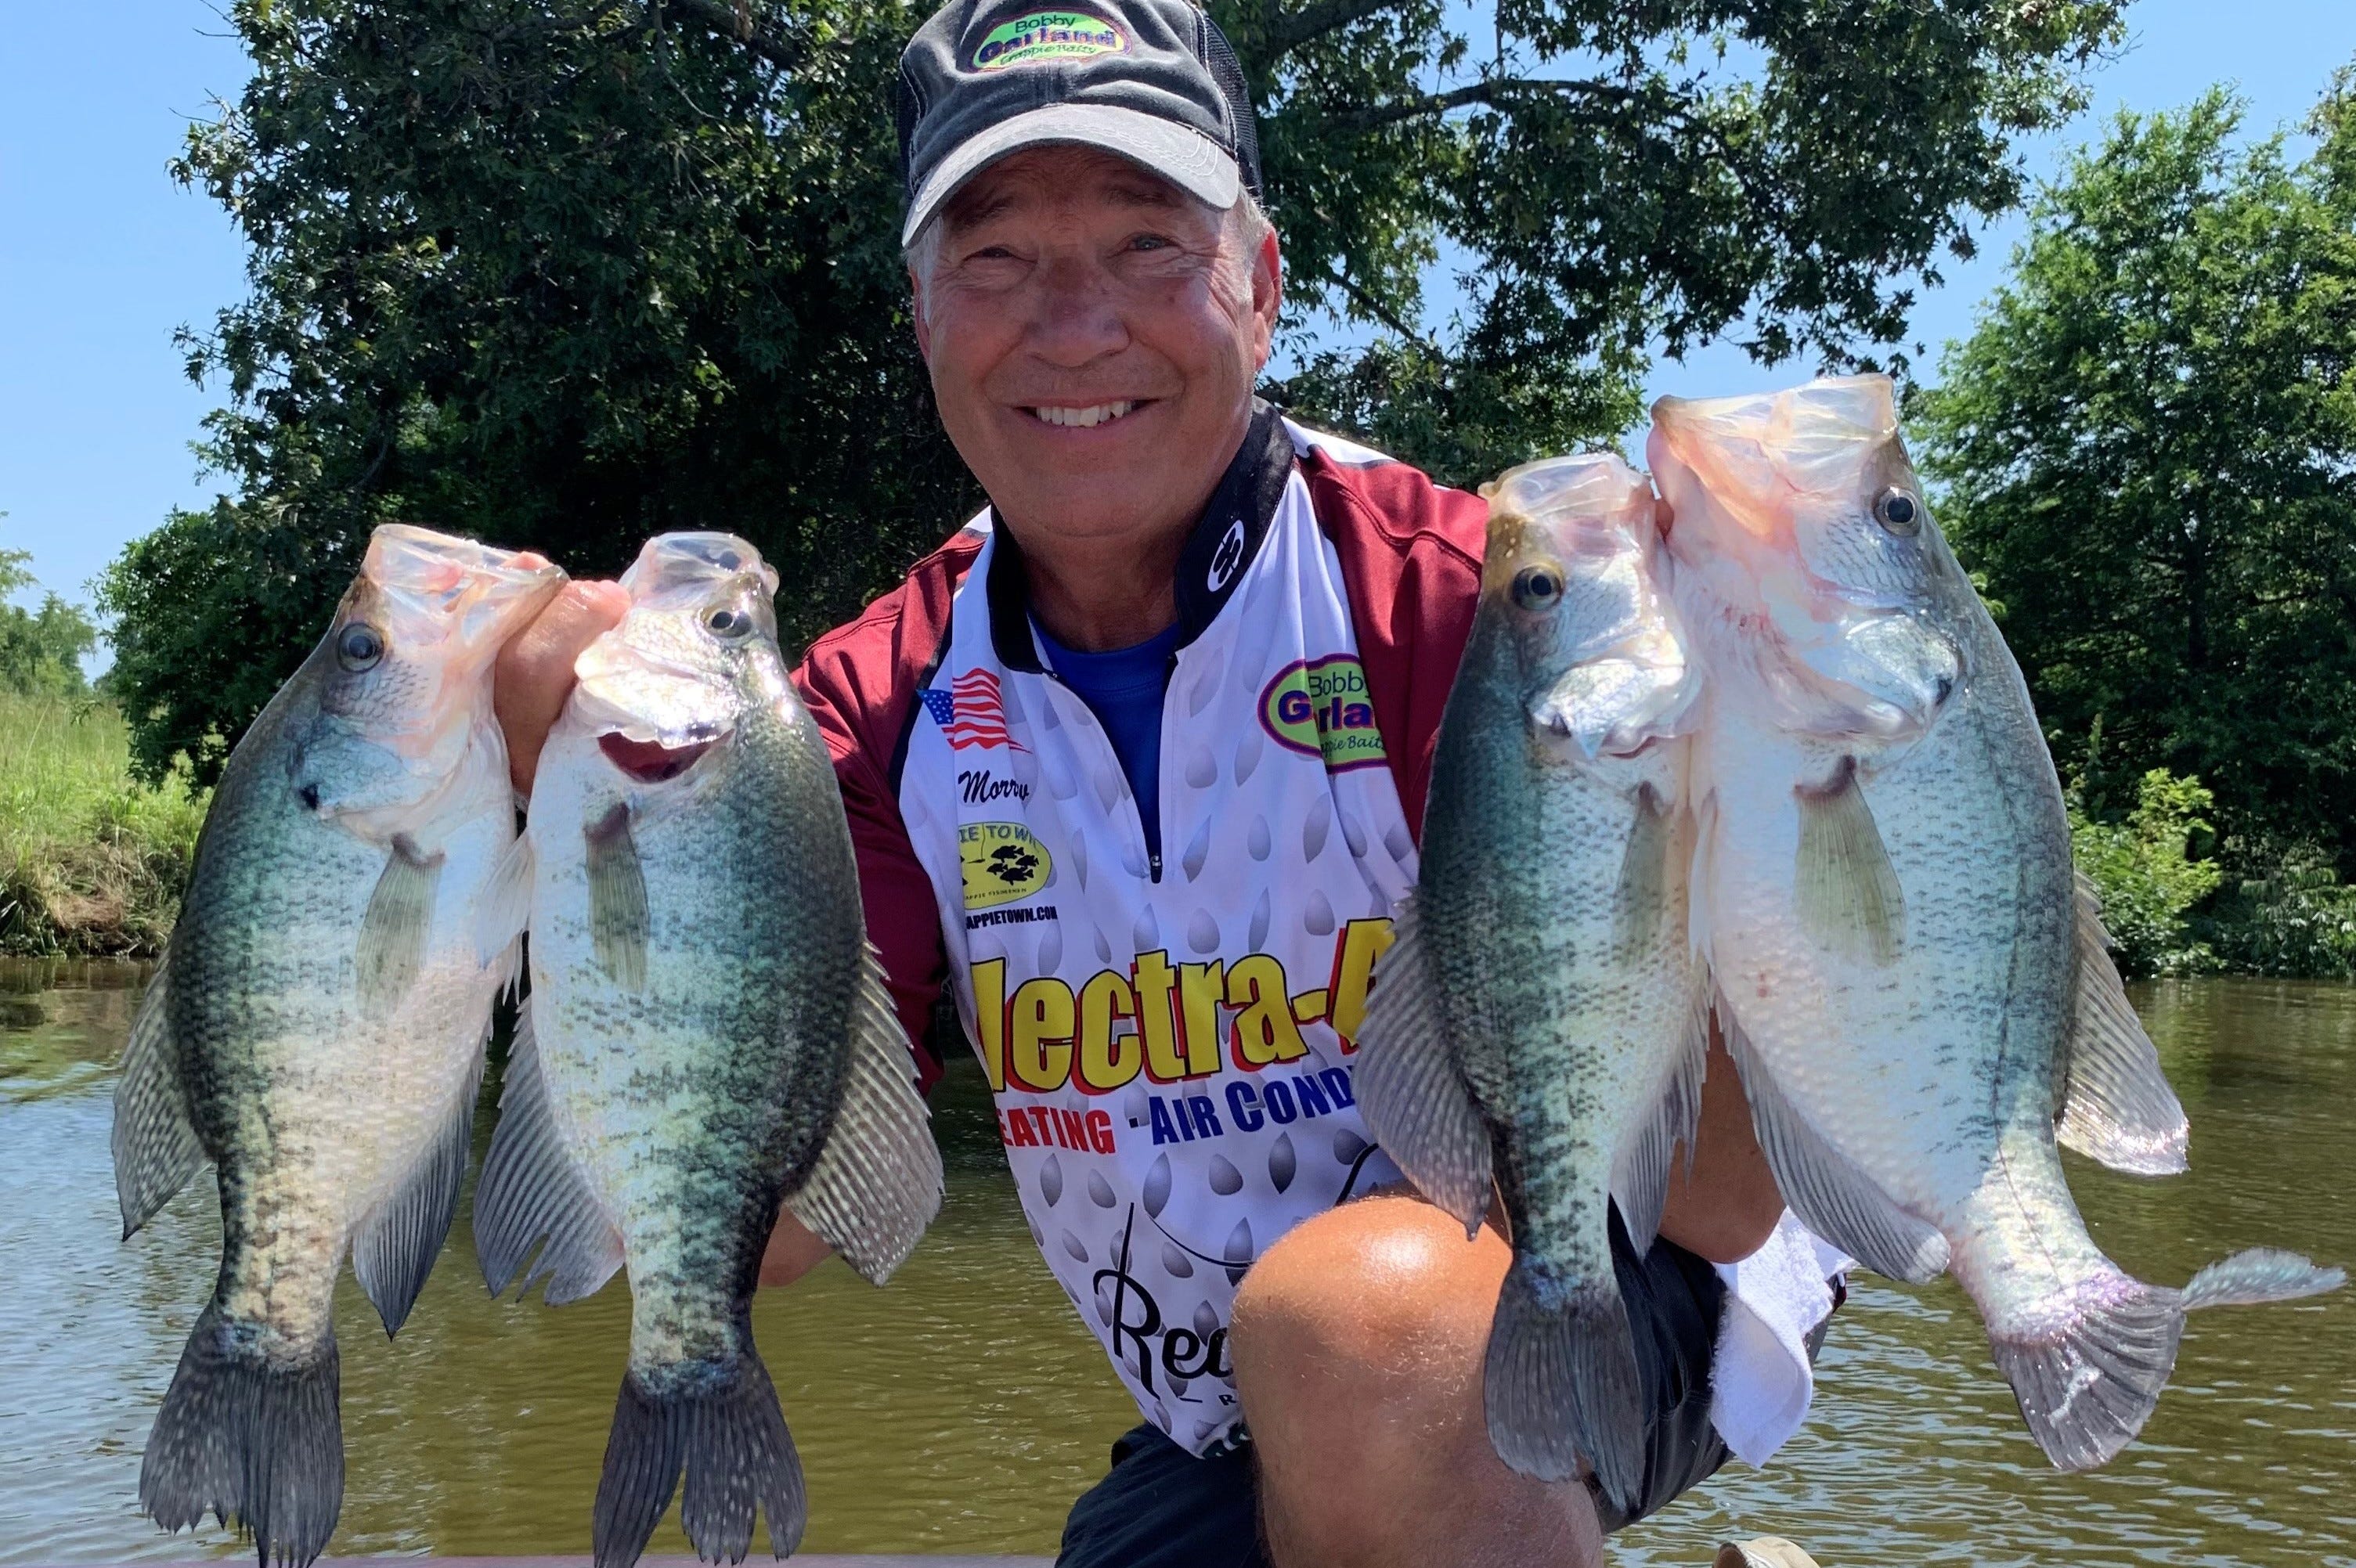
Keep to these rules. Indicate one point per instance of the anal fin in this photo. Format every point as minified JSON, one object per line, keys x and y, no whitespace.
{"x":155,"y":1143}
{"x":1640,"y":1176}
{"x":1409,"y":1090}
{"x":1830,"y":1195}
{"x":877,"y":1183}
{"x":534,"y":1190}
{"x":396,"y":1246}
{"x":2117,"y":1105}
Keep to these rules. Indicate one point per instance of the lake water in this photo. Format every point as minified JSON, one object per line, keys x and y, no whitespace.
{"x":962,"y":1409}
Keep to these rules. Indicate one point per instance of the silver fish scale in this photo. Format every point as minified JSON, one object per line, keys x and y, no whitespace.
{"x":695,"y":1102}
{"x":1563,"y":1044}
{"x":1972,"y":818}
{"x":311,"y":1111}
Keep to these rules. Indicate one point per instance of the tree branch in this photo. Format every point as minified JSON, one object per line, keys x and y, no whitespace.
{"x":1497,"y":92}
{"x":1379,"y":311}
{"x":736,"y":22}
{"x":1288,"y":32}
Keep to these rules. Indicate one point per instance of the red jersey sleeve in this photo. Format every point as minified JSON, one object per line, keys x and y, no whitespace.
{"x":860,"y":682}
{"x":1410,"y":553}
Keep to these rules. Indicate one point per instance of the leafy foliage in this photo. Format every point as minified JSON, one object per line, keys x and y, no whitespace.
{"x":565,"y":272}
{"x":2147,"y":874}
{"x":2294,"y":916}
{"x":40,"y":650}
{"x":2149,"y":447}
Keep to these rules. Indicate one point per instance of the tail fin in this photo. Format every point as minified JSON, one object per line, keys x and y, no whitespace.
{"x":1561,"y":1382}
{"x":723,"y":1426}
{"x":256,"y":1443}
{"x":2086,"y":1390}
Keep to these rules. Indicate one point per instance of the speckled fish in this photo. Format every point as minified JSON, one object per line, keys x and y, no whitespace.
{"x":1915,"y":984}
{"x":707,"y":1034}
{"x":1537,"y":1019}
{"x":317,"y":1028}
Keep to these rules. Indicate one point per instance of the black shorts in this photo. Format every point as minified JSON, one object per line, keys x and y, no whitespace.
{"x":1163,"y":1507}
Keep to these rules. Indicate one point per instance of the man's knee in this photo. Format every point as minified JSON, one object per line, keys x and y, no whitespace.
{"x":1358,"y":1342}
{"x":1384,"y":1297}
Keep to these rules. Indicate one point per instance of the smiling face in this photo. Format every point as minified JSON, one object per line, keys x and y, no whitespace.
{"x":1093,"y":335}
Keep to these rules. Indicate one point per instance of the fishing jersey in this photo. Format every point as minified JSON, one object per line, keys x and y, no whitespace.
{"x":1168,"y":1037}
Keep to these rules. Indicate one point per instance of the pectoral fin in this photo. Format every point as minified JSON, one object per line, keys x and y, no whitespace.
{"x":877,"y":1183}
{"x":156,"y":1147}
{"x":1648,"y":904}
{"x":1409,"y":1091}
{"x":617,"y":899}
{"x":1848,"y":892}
{"x":2117,"y":1105}
{"x":392,"y":947}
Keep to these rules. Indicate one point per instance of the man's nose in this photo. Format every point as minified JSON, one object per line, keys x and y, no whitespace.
{"x":1077,"y":317}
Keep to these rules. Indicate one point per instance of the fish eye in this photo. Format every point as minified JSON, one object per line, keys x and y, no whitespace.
{"x":358,"y":648}
{"x":1538,"y":587}
{"x":728,"y":624}
{"x":1898,"y":512}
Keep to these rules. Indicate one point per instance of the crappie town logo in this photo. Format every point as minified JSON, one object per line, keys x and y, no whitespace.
{"x":1002,"y":861}
{"x":1320,"y":708}
{"x":1040,"y":37}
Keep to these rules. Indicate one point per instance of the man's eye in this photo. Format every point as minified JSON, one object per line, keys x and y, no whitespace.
{"x":1151,"y":243}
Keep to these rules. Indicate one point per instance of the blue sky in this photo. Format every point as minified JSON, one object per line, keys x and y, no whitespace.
{"x":103,"y":257}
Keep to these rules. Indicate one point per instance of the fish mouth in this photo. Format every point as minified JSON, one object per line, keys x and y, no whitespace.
{"x":650,"y":761}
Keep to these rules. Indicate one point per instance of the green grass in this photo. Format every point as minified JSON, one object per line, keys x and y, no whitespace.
{"x":91,"y":862}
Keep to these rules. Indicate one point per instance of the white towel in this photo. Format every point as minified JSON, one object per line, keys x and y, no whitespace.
{"x":1761,"y":1379}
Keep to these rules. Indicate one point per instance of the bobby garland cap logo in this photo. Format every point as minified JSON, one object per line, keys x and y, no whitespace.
{"x":1322,"y":707}
{"x":1039,"y":38}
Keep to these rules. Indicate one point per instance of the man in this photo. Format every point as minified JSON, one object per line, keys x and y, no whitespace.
{"x":1136,"y":763}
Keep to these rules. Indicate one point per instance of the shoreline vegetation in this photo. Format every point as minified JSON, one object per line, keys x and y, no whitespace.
{"x":91,"y":858}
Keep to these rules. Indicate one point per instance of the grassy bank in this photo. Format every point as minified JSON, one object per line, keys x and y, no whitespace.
{"x":90,"y":860}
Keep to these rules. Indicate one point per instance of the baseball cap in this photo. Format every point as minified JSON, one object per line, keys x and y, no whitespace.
{"x":1151,"y":81}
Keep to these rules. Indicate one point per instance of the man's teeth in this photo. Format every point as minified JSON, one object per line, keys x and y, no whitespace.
{"x":1094,"y":414}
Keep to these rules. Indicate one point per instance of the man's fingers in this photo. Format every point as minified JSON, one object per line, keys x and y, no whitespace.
{"x":534,"y":675}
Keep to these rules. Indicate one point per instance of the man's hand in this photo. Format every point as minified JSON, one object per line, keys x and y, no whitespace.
{"x":534,"y":674}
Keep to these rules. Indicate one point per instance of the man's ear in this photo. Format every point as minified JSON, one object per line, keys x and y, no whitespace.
{"x":1267,"y":293}
{"x":916,"y":308}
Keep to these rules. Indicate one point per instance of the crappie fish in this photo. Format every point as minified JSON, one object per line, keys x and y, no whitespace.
{"x":317,"y":1028}
{"x":1912,"y":982}
{"x":1538,"y":1018}
{"x":707,"y":1033}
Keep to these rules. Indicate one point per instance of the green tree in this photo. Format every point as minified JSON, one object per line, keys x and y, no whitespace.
{"x":2149,"y":445}
{"x":40,"y":650}
{"x":567,"y":272}
{"x":2149,"y":877}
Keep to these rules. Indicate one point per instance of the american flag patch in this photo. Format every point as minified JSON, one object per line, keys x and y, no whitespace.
{"x":971,"y":712}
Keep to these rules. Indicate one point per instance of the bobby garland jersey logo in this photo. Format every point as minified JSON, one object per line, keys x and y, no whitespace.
{"x":1320,"y":708}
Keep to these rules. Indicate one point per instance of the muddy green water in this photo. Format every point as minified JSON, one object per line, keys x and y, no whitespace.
{"x":961,"y":1409}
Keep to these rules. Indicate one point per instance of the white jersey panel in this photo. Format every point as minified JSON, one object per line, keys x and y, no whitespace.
{"x":1170,"y":1058}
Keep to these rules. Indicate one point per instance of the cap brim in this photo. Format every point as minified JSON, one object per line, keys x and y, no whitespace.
{"x":1186,"y":158}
